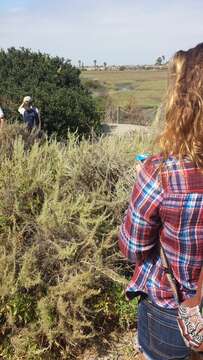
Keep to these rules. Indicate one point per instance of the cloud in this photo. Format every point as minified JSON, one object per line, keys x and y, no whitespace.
{"x":115,"y":31}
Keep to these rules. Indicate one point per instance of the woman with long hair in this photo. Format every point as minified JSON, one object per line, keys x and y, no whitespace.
{"x":166,"y":211}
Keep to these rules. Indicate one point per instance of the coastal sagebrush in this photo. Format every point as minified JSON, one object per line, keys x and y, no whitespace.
{"x":60,"y":207}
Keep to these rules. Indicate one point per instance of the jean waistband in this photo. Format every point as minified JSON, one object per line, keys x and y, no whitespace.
{"x":151,"y":304}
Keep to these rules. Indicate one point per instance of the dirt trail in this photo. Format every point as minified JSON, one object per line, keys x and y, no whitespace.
{"x":122,"y":129}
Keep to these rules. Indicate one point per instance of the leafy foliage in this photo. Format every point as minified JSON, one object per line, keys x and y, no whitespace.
{"x":61,"y":274}
{"x":112,"y":306}
{"x":54,"y":84}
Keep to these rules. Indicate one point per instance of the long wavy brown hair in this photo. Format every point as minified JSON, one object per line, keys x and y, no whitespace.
{"x":183,"y":133}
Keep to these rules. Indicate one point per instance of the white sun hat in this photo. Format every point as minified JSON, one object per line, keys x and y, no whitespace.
{"x":27,"y":99}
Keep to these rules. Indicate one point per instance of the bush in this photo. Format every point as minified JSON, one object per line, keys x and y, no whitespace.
{"x":65,"y":104}
{"x":60,"y":207}
{"x":122,"y":68}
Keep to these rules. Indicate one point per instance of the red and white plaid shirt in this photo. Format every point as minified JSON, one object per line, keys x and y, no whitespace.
{"x":166,"y":206}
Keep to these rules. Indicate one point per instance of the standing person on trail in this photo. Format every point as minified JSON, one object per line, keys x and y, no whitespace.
{"x":165,"y":214}
{"x":30,"y":114}
{"x":2,"y":118}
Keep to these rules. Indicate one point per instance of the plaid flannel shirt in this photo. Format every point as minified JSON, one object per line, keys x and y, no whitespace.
{"x":166,"y":207}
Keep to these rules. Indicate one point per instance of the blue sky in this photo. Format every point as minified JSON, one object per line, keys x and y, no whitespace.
{"x":115,"y":31}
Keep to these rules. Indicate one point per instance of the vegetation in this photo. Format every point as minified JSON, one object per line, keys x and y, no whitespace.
{"x":147,"y":87}
{"x":160,"y":60}
{"x":65,"y":104}
{"x":61,"y":274}
{"x":62,"y":277}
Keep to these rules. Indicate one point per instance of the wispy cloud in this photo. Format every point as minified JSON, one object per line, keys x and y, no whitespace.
{"x":115,"y":31}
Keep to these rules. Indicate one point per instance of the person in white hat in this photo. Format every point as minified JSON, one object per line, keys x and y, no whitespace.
{"x":31,"y":115}
{"x":2,"y":118}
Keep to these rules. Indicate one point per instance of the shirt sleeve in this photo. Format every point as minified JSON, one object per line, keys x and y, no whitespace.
{"x":21,"y":110}
{"x":1,"y":113}
{"x":140,"y":229}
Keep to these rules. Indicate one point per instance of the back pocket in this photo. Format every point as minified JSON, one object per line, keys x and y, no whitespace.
{"x":165,"y":338}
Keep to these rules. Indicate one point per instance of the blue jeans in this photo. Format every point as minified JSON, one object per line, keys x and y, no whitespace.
{"x":158,"y":333}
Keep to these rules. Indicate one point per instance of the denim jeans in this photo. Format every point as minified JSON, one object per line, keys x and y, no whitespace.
{"x":158,"y":333}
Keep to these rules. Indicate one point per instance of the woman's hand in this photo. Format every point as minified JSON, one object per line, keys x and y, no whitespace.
{"x":138,"y":167}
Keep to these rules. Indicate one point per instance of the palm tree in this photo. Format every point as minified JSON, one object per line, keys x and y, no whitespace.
{"x":95,"y":64}
{"x":105,"y":65}
{"x":79,"y":63}
{"x":159,"y":61}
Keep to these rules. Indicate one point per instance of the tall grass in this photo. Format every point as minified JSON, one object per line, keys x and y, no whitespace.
{"x":60,"y":268}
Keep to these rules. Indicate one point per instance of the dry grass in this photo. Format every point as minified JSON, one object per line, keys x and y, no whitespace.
{"x":121,"y":346}
{"x":60,"y":269}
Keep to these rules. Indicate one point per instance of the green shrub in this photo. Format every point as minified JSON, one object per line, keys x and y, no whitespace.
{"x":54,"y":84}
{"x":60,"y":207}
{"x":111,"y":306}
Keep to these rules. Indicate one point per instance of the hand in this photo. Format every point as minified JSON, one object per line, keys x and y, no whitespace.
{"x":138,"y":167}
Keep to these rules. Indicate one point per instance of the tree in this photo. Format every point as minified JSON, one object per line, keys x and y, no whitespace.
{"x":95,"y":64}
{"x":79,"y":64}
{"x":105,"y":65}
{"x":159,"y":61}
{"x":54,"y":84}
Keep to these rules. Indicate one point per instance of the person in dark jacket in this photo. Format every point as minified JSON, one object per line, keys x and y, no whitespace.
{"x":30,"y":114}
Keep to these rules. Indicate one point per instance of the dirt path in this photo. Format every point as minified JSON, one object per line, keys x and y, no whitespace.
{"x":122,"y":129}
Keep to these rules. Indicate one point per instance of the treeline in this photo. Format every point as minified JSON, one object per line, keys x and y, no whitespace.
{"x":54,"y":84}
